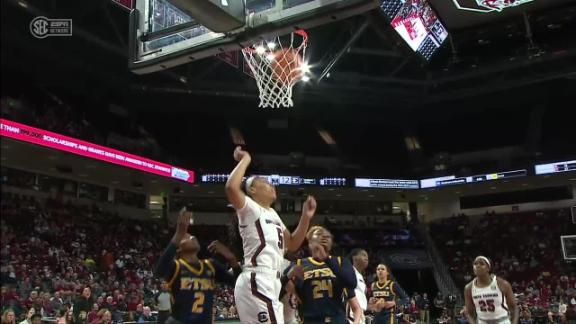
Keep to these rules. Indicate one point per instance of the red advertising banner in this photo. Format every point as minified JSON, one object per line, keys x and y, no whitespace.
{"x":232,"y":58}
{"x":59,"y":142}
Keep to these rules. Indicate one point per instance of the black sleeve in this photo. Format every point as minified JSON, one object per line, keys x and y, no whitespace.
{"x":350,"y":293}
{"x":166,"y":266}
{"x":223,"y":275}
{"x":284,"y":279}
{"x":400,"y":292}
{"x":344,"y":272}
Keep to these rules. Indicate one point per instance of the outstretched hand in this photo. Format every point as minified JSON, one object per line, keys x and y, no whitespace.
{"x":185,"y":218}
{"x":309,"y":207}
{"x":240,"y":154}
{"x":216,"y":247}
{"x":318,"y":251}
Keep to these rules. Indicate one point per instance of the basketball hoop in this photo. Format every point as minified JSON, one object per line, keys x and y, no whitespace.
{"x":492,"y":5}
{"x":277,"y":66}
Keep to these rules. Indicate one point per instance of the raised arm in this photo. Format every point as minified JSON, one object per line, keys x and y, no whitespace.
{"x":344,"y":271}
{"x":222,"y":274}
{"x":510,"y":299}
{"x":469,"y":304}
{"x":295,"y":239}
{"x":166,"y":266}
{"x":234,"y":184}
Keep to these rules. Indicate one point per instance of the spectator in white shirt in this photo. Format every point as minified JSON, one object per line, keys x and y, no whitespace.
{"x":29,"y":315}
{"x":164,"y":304}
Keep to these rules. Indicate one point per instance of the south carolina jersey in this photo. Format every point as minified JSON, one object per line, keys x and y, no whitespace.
{"x":360,"y":293}
{"x":322,"y":293}
{"x":388,"y":291}
{"x":262,"y":233}
{"x":489,"y":301}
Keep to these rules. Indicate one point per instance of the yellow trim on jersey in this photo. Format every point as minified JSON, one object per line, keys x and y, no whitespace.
{"x":299,"y":262}
{"x":339,"y":261}
{"x":191,"y":268}
{"x":392,"y":288}
{"x":392,"y":315}
{"x":209,"y":264}
{"x":176,"y":271}
{"x":385,"y":283}
{"x":314,"y":262}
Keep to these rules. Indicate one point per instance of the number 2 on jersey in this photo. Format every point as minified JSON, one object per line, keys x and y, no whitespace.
{"x":487,"y":306}
{"x":198,"y":303}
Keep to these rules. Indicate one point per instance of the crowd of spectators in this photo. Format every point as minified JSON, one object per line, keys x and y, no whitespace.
{"x":52,"y":251}
{"x":49,"y":112}
{"x":525,"y":249}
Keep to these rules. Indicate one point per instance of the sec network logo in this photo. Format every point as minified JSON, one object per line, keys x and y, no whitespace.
{"x":42,"y":27}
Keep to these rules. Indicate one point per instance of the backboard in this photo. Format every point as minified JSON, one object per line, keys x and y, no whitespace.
{"x":164,"y":35}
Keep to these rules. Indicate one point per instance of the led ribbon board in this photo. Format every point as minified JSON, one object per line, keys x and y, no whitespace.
{"x":452,"y":180}
{"x":59,"y":142}
{"x":274,"y":179}
{"x":555,"y":167}
{"x":386,"y":183}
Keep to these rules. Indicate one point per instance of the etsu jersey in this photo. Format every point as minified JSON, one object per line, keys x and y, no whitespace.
{"x":192,"y":285}
{"x":322,"y":293}
{"x":489,"y":301}
{"x":389,"y":291}
{"x":262,"y":233}
{"x":193,"y":291}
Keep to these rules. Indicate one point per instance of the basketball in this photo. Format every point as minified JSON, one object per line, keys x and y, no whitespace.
{"x":286,"y":65}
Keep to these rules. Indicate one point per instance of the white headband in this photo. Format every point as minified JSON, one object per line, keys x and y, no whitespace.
{"x":485,"y":260}
{"x":249,"y":182}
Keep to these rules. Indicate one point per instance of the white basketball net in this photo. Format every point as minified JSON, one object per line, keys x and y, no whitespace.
{"x":275,"y":71}
{"x":492,"y":5}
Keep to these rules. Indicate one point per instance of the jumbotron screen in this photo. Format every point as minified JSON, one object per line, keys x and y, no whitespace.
{"x":417,"y":23}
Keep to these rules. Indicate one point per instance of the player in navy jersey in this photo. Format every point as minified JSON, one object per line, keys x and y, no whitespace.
{"x":192,"y":280}
{"x":323,"y":283}
{"x":382,"y":296}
